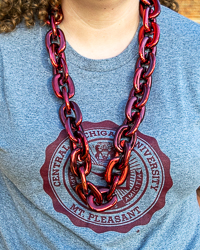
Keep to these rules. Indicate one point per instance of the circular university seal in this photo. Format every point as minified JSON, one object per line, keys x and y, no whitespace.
{"x":140,"y":196}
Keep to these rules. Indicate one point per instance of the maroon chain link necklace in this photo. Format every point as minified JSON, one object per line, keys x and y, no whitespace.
{"x":101,"y":199}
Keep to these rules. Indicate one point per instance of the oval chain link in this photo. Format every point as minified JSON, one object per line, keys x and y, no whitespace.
{"x":71,"y":117}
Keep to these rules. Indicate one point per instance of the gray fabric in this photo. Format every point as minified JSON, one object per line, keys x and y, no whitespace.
{"x":29,"y":122}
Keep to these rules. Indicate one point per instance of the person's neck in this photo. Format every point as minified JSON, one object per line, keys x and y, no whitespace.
{"x":99,"y":29}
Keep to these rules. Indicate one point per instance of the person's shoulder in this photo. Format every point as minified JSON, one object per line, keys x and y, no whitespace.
{"x":173,"y":24}
{"x":22,"y":37}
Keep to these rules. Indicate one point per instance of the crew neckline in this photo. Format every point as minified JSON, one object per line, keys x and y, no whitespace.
{"x":100,"y":65}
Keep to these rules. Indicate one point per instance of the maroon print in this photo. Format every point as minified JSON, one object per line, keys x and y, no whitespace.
{"x":141,"y":195}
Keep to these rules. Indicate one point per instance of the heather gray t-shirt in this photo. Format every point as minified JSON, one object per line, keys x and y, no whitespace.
{"x":157,"y":206}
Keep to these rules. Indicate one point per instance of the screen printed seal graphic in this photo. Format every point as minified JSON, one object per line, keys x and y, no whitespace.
{"x":139,"y":197}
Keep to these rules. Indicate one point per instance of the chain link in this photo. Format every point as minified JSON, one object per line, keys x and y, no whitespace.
{"x":71,"y":117}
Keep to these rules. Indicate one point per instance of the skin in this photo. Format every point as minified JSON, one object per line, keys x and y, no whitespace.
{"x":100,"y":29}
{"x":198,"y":196}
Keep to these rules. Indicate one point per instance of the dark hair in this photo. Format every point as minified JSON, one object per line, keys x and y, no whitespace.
{"x":12,"y":12}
